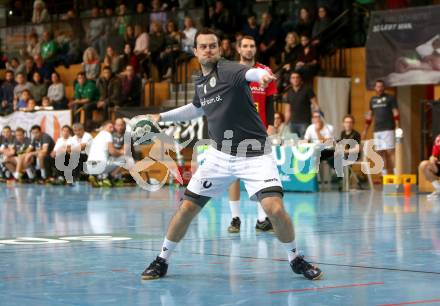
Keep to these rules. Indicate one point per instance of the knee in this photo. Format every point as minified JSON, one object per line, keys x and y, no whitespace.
{"x":423,"y":165}
{"x":274,"y":209}
{"x":189,"y":208}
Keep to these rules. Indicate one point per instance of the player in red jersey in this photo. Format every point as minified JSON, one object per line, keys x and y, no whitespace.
{"x":431,"y":169}
{"x":263,"y":99}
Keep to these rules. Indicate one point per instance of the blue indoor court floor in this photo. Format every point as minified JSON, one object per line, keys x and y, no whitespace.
{"x":374,"y":250}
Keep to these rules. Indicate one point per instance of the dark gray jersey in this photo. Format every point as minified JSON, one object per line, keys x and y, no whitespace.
{"x":227,"y":102}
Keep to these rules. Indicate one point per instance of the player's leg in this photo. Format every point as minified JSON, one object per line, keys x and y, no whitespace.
{"x":263,"y":183}
{"x":42,"y":162}
{"x":234,"y":206}
{"x":28,"y":165}
{"x":432,"y":173}
{"x":391,"y":157}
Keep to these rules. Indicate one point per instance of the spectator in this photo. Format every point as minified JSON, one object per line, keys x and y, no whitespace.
{"x":7,"y":94}
{"x":220,"y":18}
{"x":46,"y":104}
{"x":287,"y":59}
{"x":157,"y":14}
{"x":111,"y":37}
{"x":140,"y":19}
{"x":189,"y":33}
{"x":299,"y":101}
{"x":279,"y":128}
{"x":80,"y":142}
{"x":384,"y":109}
{"x":110,"y":89}
{"x":141,"y":44}
{"x":251,"y":28}
{"x":39,"y":14}
{"x":173,"y":36}
{"x":128,"y":58}
{"x":319,"y":131}
{"x":76,"y":25}
{"x":129,"y":36}
{"x":6,"y":141}
{"x":86,"y":94}
{"x":56,"y":92}
{"x":33,"y":48}
{"x":39,"y":150}
{"x":21,"y":86}
{"x":96,"y":35}
{"x":44,"y":69}
{"x":172,"y":50}
{"x":22,"y":102}
{"x":269,"y":32}
{"x":431,"y":169}
{"x":30,"y":107}
{"x":29,"y":68}
{"x":49,"y":48}
{"x":113,"y":60}
{"x":91,"y":65}
{"x":305,"y":22}
{"x":350,"y":133}
{"x":14,"y":66}
{"x":227,"y":51}
{"x":38,"y":88}
{"x":307,"y":63}
{"x":62,"y":147}
{"x":321,"y":24}
{"x":123,"y":20}
{"x":157,"y":41}
{"x":13,"y":157}
{"x":131,"y":88}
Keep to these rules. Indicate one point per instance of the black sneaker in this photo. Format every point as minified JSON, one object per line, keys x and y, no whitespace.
{"x":235,"y":225}
{"x":157,"y":269}
{"x":300,"y":266}
{"x":264,"y":226}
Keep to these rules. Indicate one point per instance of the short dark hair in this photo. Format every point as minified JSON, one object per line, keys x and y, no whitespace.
{"x":296,"y":72}
{"x":106,"y":122}
{"x":348,"y":116}
{"x":9,"y":71}
{"x":81,"y":73}
{"x":19,"y":129}
{"x":69,"y":128}
{"x":107,"y":68}
{"x":36,"y":127}
{"x":379,"y":81}
{"x":244,"y":37}
{"x":6,"y":127}
{"x":206,"y":31}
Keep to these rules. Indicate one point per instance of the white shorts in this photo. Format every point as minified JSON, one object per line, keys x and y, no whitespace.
{"x":384,"y":140}
{"x":219,"y":170}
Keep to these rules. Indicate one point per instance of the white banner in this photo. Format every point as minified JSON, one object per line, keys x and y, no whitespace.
{"x":50,"y":122}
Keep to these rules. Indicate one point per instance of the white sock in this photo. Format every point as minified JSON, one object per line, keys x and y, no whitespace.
{"x":436,"y":185}
{"x":43,"y":173}
{"x":235,"y":208}
{"x":17,"y":175}
{"x":30,"y":173}
{"x":261,"y":213}
{"x":167,"y":247}
{"x":291,"y":250}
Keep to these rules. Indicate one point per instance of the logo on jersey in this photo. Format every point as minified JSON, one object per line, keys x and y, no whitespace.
{"x":207,"y":184}
{"x":212,"y":82}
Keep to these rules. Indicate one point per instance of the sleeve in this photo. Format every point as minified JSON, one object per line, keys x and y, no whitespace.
{"x":76,"y":95}
{"x":58,"y":144}
{"x":196,"y":100}
{"x":393,"y":102}
{"x":183,"y":113}
{"x":271,"y":89}
{"x":233,"y":72}
{"x":270,"y":112}
{"x":86,"y":138}
{"x":357,"y":137}
{"x":435,"y":151}
{"x":108,"y":138}
{"x":308,"y":134}
{"x":371,"y":104}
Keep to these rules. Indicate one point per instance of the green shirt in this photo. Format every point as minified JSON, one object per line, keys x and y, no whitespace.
{"x":87,"y":91}
{"x":48,"y":49}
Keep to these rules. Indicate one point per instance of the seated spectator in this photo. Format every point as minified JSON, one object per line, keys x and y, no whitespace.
{"x":6,"y":142}
{"x":158,"y":14}
{"x":129,"y":36}
{"x":85,"y":97}
{"x":269,"y":32}
{"x":279,"y":129}
{"x":91,"y":65}
{"x":7,"y":94}
{"x":49,"y":48}
{"x":31,"y":106}
{"x":62,"y":147}
{"x":33,"y":48}
{"x":110,"y":90}
{"x":188,"y":35}
{"x":319,"y":132}
{"x":22,"y":102}
{"x":80,"y":142}
{"x":29,"y":68}
{"x":131,"y":88}
{"x":227,"y":51}
{"x":14,"y":66}
{"x":14,"y":155}
{"x":299,"y":101}
{"x":307,"y":63}
{"x":37,"y":156}
{"x":40,"y":14}
{"x":56,"y":93}
{"x":156,"y":44}
{"x":140,"y":18}
{"x":431,"y":169}
{"x":46,"y":104}
{"x":350,"y":133}
{"x":123,"y":19}
{"x":96,"y":35}
{"x":171,"y":53}
{"x":44,"y":69}
{"x":305,"y":22}
{"x":320,"y":24}
{"x":21,"y":86}
{"x":128,"y":58}
{"x":113,"y":60}
{"x":251,"y":28}
{"x":287,"y":59}
{"x":38,"y":88}
{"x":141,"y":44}
{"x":220,"y":18}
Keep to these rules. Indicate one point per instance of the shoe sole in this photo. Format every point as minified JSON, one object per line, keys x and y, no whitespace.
{"x":318,"y":277}
{"x":147,"y":277}
{"x":233,"y":230}
{"x":262,"y":230}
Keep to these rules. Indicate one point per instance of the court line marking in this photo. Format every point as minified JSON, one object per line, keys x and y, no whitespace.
{"x":413,"y":302}
{"x":326,"y":287}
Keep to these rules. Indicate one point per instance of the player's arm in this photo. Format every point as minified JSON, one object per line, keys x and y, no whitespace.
{"x":368,"y":121}
{"x":113,"y":151}
{"x":44,"y":148}
{"x":396,"y":116}
{"x":183,"y":113}
{"x":259,"y":75}
{"x":270,"y":112}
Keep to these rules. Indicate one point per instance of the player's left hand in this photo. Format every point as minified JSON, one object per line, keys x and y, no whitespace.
{"x":266,"y":79}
